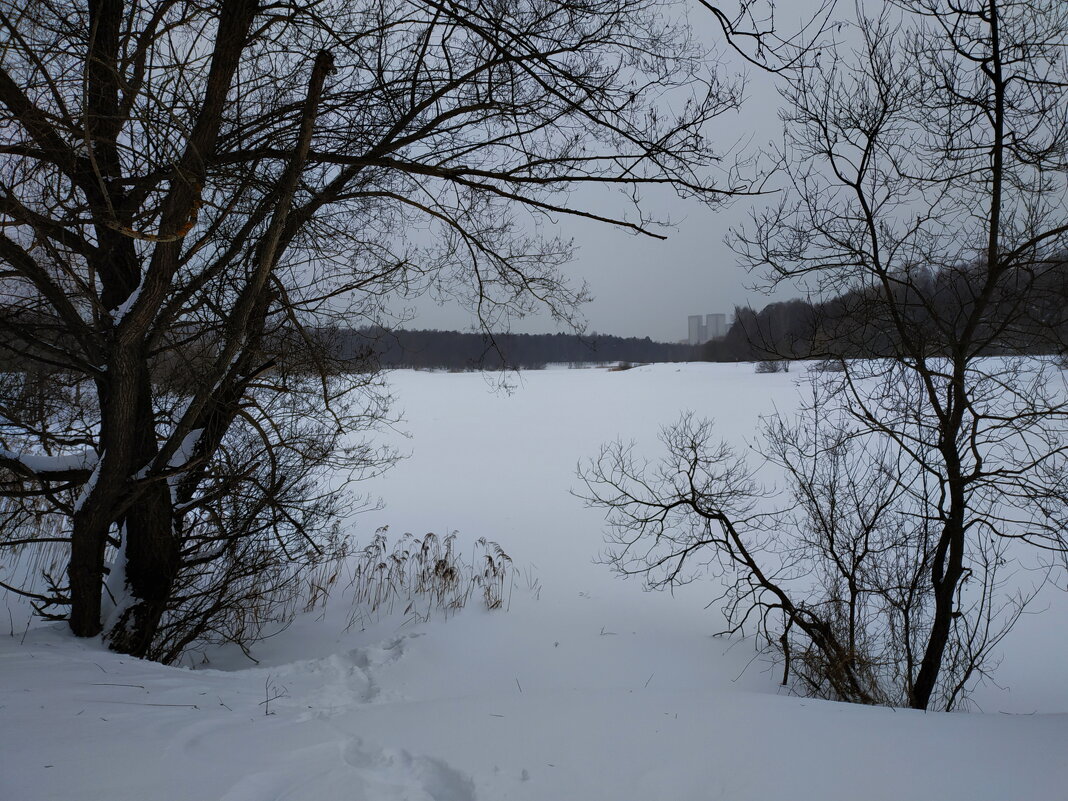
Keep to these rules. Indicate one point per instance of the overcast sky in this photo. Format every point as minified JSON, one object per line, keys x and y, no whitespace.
{"x":646,"y":287}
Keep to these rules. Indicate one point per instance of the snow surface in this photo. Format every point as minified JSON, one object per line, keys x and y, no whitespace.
{"x":586,"y":688}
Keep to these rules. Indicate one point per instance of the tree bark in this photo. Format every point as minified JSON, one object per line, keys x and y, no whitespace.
{"x":86,"y":572}
{"x":946,"y":575}
{"x":151,"y":546}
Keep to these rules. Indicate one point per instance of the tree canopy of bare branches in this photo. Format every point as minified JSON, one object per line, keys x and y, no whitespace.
{"x":192,"y":192}
{"x":924,"y":161}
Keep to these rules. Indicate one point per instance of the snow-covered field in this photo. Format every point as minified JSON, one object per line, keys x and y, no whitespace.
{"x":586,"y":688}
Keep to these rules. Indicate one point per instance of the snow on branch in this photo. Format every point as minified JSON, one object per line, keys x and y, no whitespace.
{"x":67,"y":467}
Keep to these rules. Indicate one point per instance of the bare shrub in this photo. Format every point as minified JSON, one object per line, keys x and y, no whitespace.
{"x":773,"y":366}
{"x":833,"y":572}
{"x":829,"y":366}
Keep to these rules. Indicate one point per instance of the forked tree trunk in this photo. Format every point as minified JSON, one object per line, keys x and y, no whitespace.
{"x":152,"y":563}
{"x":142,"y":512}
{"x":151,"y":547}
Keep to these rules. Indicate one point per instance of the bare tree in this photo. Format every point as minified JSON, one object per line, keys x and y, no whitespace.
{"x":926,"y":166}
{"x":192,"y":194}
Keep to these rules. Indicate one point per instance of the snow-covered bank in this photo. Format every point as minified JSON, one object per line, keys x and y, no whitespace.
{"x":587,"y":688}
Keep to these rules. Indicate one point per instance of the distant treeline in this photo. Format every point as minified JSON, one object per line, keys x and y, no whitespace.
{"x":452,"y":350}
{"x":855,"y":324}
{"x":935,"y":308}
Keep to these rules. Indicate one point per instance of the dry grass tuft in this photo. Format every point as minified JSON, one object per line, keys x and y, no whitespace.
{"x":421,"y":575}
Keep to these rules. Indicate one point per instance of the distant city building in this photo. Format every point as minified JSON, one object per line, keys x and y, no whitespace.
{"x":703,"y":328}
{"x":716,"y":326}
{"x":697,"y":329}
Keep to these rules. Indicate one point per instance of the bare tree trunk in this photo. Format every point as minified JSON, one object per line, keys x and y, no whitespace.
{"x":945,"y":590}
{"x":151,"y":548}
{"x":86,"y":572}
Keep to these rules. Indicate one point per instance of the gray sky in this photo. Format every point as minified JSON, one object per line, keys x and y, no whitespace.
{"x":646,"y":287}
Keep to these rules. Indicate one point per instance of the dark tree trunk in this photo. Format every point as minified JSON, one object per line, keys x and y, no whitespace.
{"x":152,"y":562}
{"x":947,"y":575}
{"x":85,"y":572}
{"x":147,"y":525}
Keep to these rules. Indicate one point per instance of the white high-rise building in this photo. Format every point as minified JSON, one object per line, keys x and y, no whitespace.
{"x":716,"y":326}
{"x":703,"y":328}
{"x":696,"y":329}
